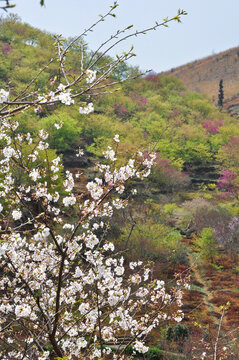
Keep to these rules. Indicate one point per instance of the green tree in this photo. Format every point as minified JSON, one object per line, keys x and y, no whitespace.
{"x":206,"y":244}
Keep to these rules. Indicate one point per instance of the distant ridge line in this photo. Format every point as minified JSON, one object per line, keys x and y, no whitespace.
{"x":203,"y":75}
{"x":199,"y":60}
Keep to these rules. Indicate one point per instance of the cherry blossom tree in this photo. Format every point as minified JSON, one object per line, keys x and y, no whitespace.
{"x":64,"y":292}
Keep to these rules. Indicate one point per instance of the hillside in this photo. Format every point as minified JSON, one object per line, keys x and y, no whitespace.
{"x":185,"y":216}
{"x":203,"y":75}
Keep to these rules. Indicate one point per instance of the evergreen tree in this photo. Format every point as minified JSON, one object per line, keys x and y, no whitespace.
{"x":220,"y":94}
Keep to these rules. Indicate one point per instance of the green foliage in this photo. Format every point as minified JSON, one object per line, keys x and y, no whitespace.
{"x":228,"y":155}
{"x":206,"y":244}
{"x":98,"y":131}
{"x":154,"y":354}
{"x":146,"y":241}
{"x":232,"y":207}
{"x":170,"y":209}
{"x":219,"y":268}
{"x":179,"y":332}
{"x":66,"y":137}
{"x":176,"y":250}
{"x":156,"y":108}
{"x":129,"y":350}
{"x":152,"y":240}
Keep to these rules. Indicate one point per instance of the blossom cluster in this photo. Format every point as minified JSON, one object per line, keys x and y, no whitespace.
{"x":62,"y":94}
{"x":3,"y":95}
{"x":90,"y":76}
{"x":226,"y":181}
{"x":212,"y":127}
{"x":87,"y":109}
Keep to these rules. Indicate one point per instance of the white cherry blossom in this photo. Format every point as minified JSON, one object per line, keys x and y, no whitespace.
{"x":16,"y":214}
{"x":87,"y":109}
{"x":91,"y":76}
{"x":3,"y":95}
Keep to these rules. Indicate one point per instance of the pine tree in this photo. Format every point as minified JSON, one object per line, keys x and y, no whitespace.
{"x":220,"y":94}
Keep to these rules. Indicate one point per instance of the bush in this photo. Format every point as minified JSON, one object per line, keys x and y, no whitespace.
{"x":154,"y":354}
{"x":66,"y":137}
{"x":169,"y":333}
{"x":168,"y":177}
{"x":181,"y":332}
{"x":129,"y":350}
{"x":199,"y":213}
{"x":207,"y":244}
{"x":178,"y":333}
{"x":152,"y":241}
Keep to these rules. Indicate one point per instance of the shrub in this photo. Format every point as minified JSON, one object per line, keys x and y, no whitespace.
{"x":212,"y":127}
{"x":228,"y":155}
{"x":6,"y":48}
{"x":67,"y":136}
{"x":226,"y":182}
{"x":207,"y":244}
{"x":168,"y":177}
{"x":169,"y":333}
{"x":154,"y":354}
{"x":129,"y":350}
{"x":121,"y":111}
{"x":181,"y":332}
{"x":228,"y":235}
{"x":199,"y":213}
{"x":178,"y":333}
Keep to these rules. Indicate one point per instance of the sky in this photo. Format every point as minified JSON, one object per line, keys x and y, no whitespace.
{"x":211,"y":26}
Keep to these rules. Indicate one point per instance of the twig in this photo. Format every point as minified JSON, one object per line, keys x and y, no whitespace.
{"x":218,"y":334}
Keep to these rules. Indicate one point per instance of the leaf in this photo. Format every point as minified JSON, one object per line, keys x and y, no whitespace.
{"x":114,"y":6}
{"x":177,"y":18}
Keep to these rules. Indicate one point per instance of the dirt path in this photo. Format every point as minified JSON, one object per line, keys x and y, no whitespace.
{"x":212,"y":308}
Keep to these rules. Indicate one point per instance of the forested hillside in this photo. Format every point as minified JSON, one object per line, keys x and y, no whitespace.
{"x":185,"y":216}
{"x":158,"y":111}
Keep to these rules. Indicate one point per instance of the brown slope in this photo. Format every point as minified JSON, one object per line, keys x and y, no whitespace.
{"x":203,"y":75}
